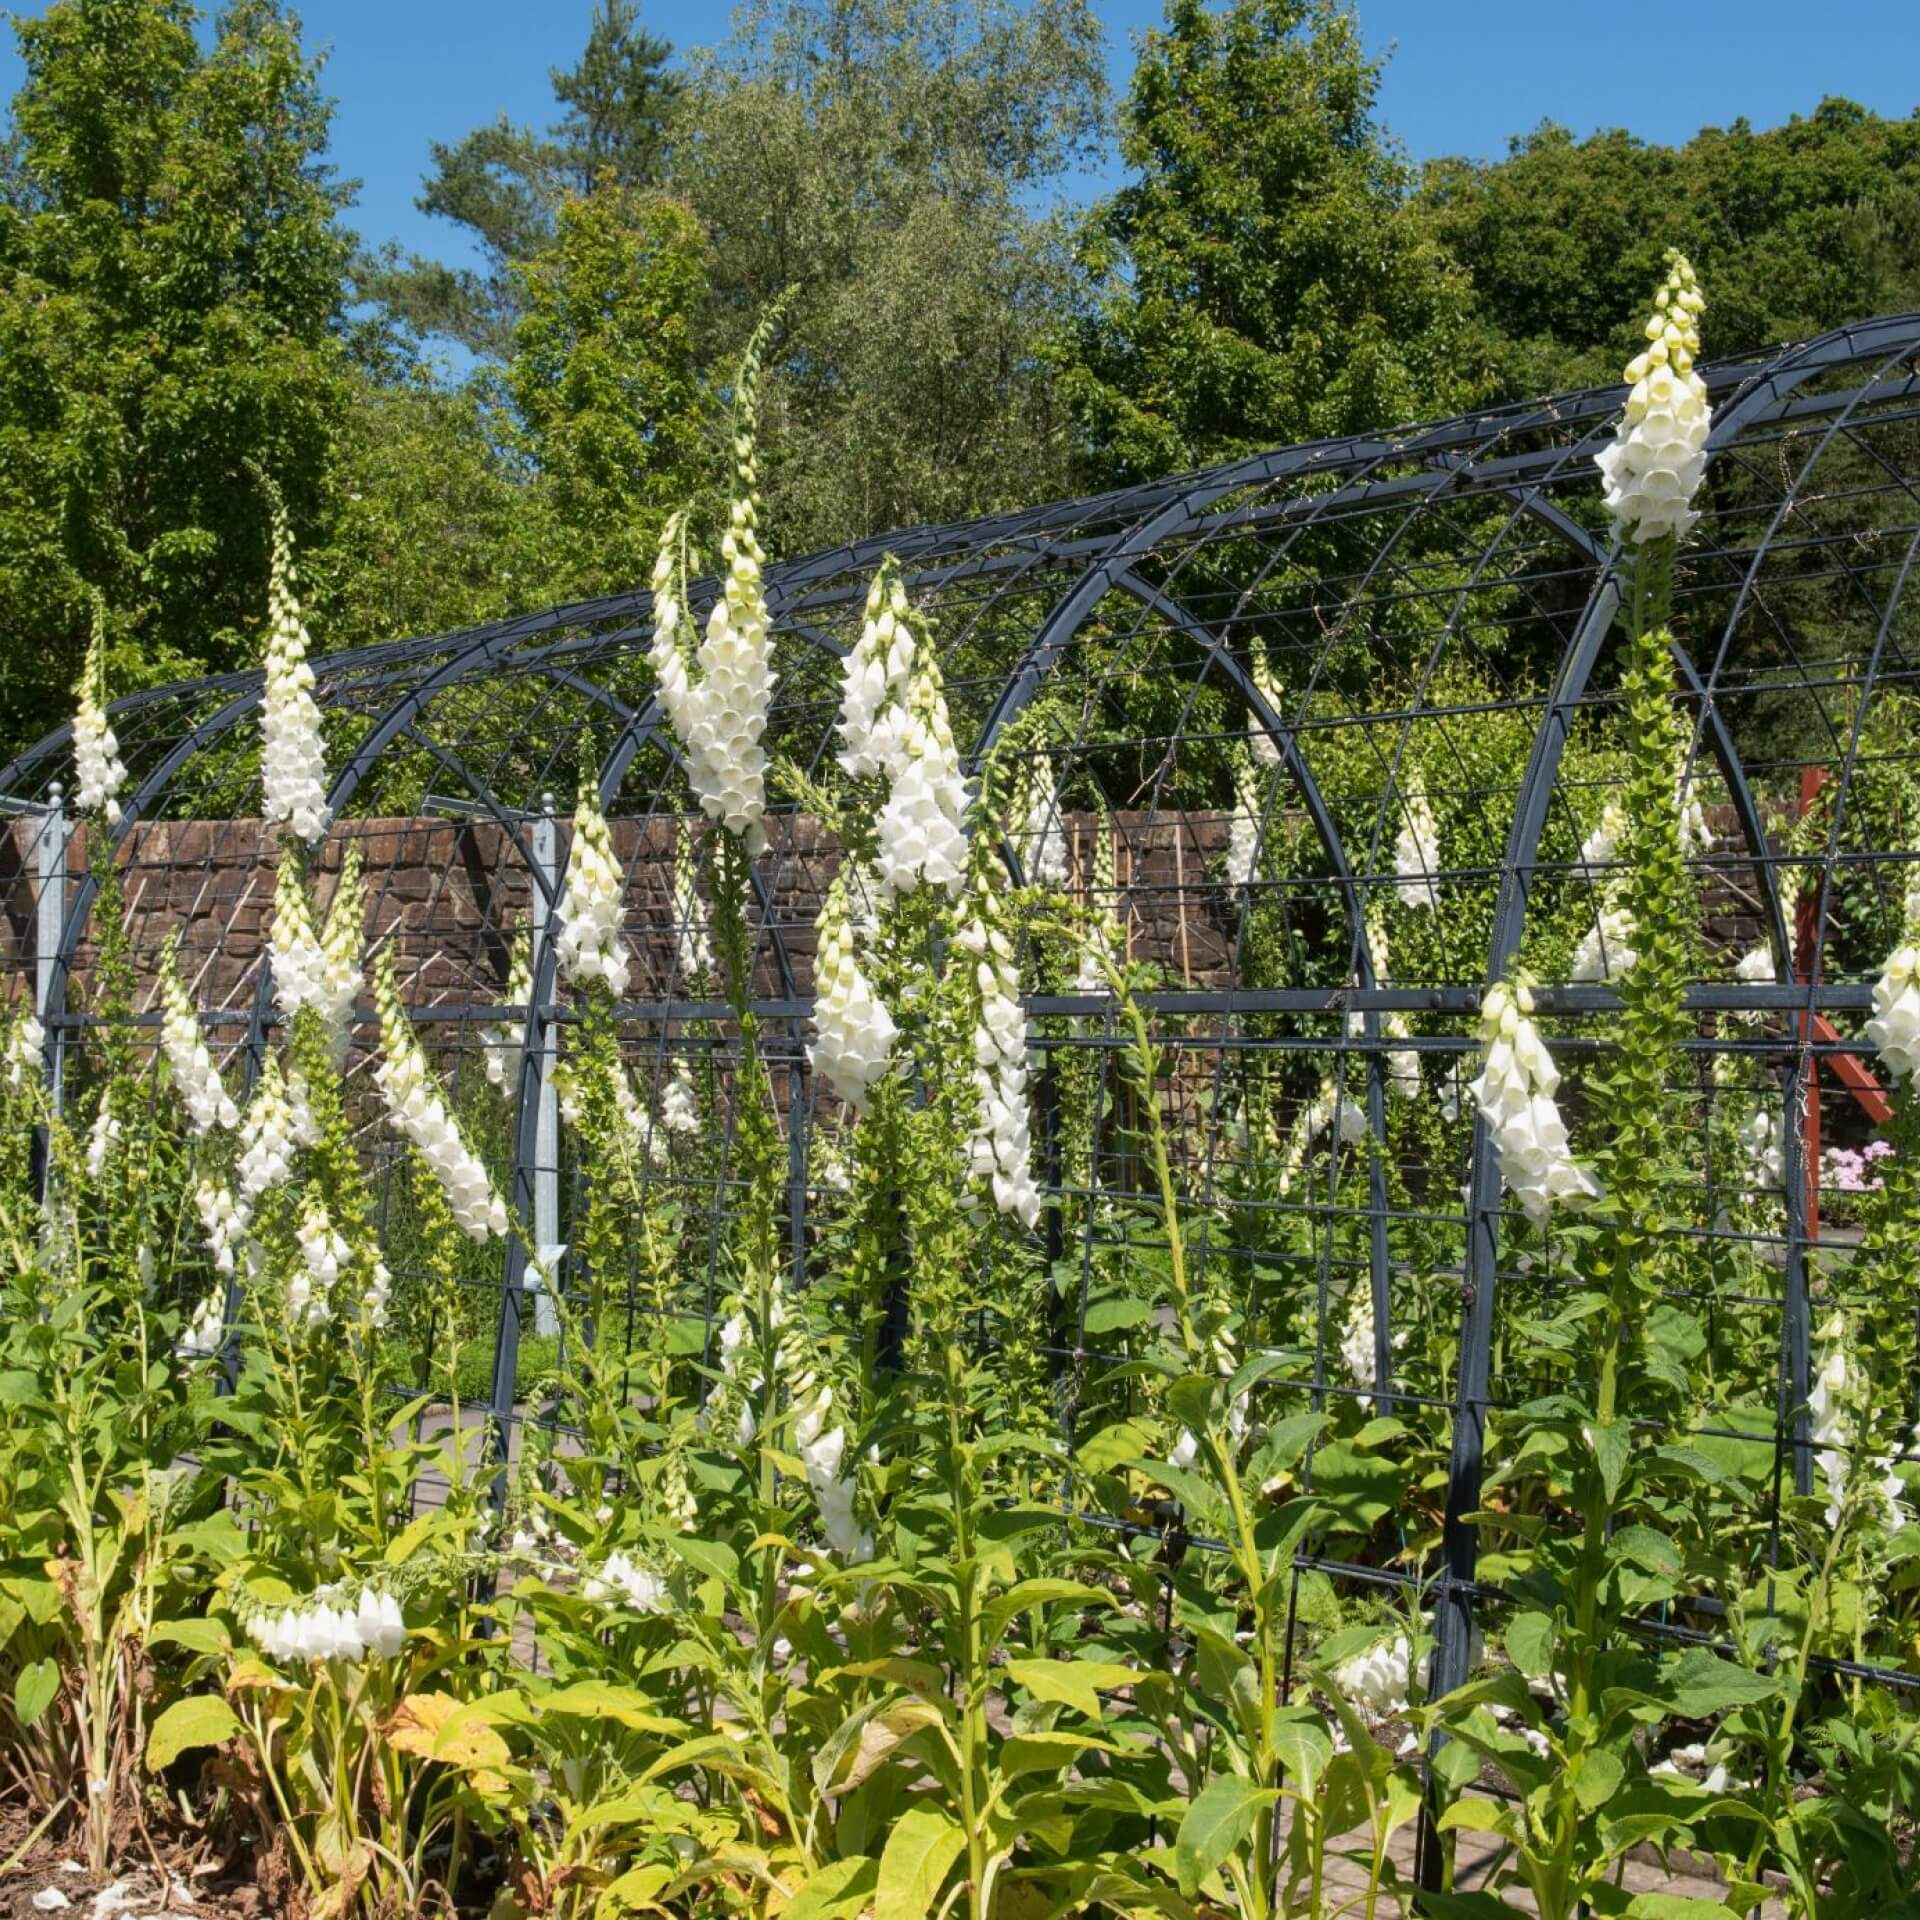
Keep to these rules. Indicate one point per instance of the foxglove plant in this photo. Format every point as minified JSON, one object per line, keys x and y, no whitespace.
{"x":1653,"y":467}
{"x":1001,"y":1150}
{"x":854,"y":1032}
{"x":1514,"y":1093}
{"x":293,"y":748}
{"x":1416,"y":851}
{"x":195,"y":1077}
{"x":418,"y":1111}
{"x":314,"y":967}
{"x":590,"y":947}
{"x":502,"y":1040}
{"x":717,"y":695}
{"x":1245,"y":828}
{"x":99,"y":772}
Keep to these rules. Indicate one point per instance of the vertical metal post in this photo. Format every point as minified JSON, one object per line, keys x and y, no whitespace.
{"x":546,"y":1125}
{"x":49,"y":920}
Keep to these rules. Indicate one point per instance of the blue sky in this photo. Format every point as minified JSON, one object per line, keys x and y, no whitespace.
{"x":1463,"y":74}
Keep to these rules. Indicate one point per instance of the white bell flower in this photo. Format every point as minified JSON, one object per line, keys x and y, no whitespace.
{"x":1000,"y":1150}
{"x":1653,"y":468}
{"x":195,"y":1077}
{"x":25,"y":1060}
{"x":619,"y":1581}
{"x":693,"y":957}
{"x":1416,"y":851}
{"x":589,"y":946}
{"x":1514,"y":1093}
{"x":1244,"y":830}
{"x":267,"y":1138}
{"x":293,"y":749}
{"x":1043,"y":829}
{"x":105,"y":1134}
{"x":1378,"y":1680}
{"x":202,"y":1335}
{"x":99,"y":772}
{"x":1606,"y":949}
{"x":854,"y":1032}
{"x":1895,"y":1026}
{"x":418,"y":1110}
{"x":1764,"y":1139}
{"x":502,"y":1040}
{"x":223,"y":1220}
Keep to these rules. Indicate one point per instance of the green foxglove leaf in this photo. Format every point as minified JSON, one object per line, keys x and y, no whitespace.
{"x":1218,"y":1822}
{"x":201,"y":1720}
{"x":34,"y":1689}
{"x":918,"y":1856}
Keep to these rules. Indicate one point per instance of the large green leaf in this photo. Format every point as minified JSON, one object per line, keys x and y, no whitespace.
{"x":919,"y":1855}
{"x":34,"y":1689}
{"x":1073,"y":1683}
{"x":837,"y":1892}
{"x":1217,"y":1822}
{"x":201,"y":1720}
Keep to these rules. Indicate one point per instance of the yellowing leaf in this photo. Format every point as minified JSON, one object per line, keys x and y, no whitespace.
{"x":1074,"y":1683}
{"x":919,"y":1855}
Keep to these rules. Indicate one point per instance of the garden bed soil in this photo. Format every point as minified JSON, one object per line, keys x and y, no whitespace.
{"x":48,"y":1883}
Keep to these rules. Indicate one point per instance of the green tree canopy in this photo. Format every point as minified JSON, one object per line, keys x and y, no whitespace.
{"x":1794,"y":230}
{"x":171,"y":279}
{"x":1257,"y":281}
{"x":890,"y":159}
{"x":606,"y":382}
{"x":505,"y":185}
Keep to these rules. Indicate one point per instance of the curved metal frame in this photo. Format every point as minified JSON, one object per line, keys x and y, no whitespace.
{"x":1133,"y":543}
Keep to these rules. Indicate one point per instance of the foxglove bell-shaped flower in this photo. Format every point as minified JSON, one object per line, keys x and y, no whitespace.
{"x":1653,"y":468}
{"x":1000,"y":1150}
{"x":502,"y":1040}
{"x":619,"y":1581}
{"x":1244,"y":829}
{"x":1764,"y":1139}
{"x":590,"y":947}
{"x":202,"y":1335}
{"x":1379,"y":1679}
{"x":195,"y":1077}
{"x":1895,"y":1026}
{"x":324,"y":1257}
{"x":1043,"y":834}
{"x":679,"y":1104}
{"x":267,"y":1138}
{"x":25,"y":1056}
{"x":99,"y":771}
{"x":854,"y":1032}
{"x":1416,"y":851}
{"x":922,"y":831}
{"x":293,"y":750}
{"x":1261,"y":743}
{"x":694,"y":950}
{"x":718,"y":699}
{"x":1606,"y":949}
{"x":1103,"y":942}
{"x":222,"y":1219}
{"x":104,"y":1135}
{"x":418,"y":1110}
{"x":877,"y":679}
{"x":1514,"y":1093}
{"x":311,"y":968}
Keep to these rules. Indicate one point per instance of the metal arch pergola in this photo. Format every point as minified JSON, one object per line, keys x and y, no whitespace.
{"x":1815,"y":444}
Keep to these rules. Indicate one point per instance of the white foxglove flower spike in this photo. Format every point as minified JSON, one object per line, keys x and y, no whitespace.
{"x":195,"y":1077}
{"x":1514,"y":1093}
{"x":98,"y":769}
{"x":717,"y":696}
{"x":1895,"y":1026}
{"x":293,"y":761}
{"x":1416,"y":851}
{"x":854,"y":1032}
{"x":1000,"y":1150}
{"x":502,"y":1040}
{"x":1653,"y":468}
{"x":418,"y":1110}
{"x":590,"y":947}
